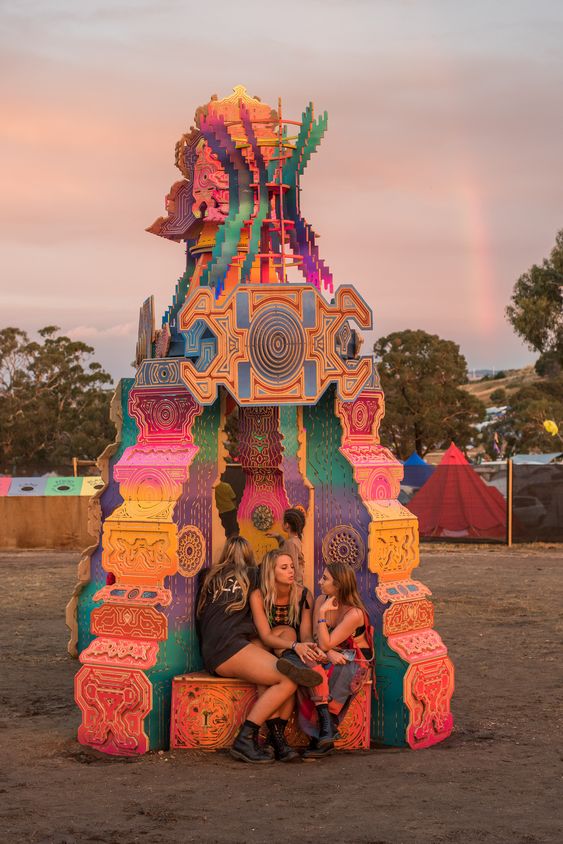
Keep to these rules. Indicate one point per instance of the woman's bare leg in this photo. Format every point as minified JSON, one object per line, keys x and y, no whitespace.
{"x":286,"y":709}
{"x":258,"y":666}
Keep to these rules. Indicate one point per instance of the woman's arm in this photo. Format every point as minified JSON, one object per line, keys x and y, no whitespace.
{"x":342,"y":631}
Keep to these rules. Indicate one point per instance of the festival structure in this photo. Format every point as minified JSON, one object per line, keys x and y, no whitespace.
{"x":254,"y":324}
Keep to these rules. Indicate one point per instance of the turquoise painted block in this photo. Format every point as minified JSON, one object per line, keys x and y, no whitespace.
{"x":63,"y":486}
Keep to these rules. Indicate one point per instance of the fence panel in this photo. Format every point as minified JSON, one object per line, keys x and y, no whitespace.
{"x":537,"y":502}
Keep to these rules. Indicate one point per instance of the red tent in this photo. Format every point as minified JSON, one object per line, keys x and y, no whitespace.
{"x":455,"y":501}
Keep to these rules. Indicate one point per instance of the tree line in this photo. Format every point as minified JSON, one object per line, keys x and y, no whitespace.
{"x":54,"y":399}
{"x":54,"y":403}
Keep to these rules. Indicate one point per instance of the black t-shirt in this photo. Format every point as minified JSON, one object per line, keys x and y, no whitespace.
{"x":223,"y":634}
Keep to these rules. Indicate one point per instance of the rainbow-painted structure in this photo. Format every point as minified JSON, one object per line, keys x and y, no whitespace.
{"x":285,"y":354}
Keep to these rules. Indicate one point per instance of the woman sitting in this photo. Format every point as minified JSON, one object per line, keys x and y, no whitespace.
{"x":293,"y":525}
{"x":282,"y":613}
{"x":343,"y":631}
{"x":229,"y":643}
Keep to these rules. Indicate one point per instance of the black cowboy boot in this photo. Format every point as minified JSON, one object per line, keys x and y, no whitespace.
{"x":327,"y":731}
{"x":276,"y":736}
{"x":290,"y":665}
{"x":246,"y":746}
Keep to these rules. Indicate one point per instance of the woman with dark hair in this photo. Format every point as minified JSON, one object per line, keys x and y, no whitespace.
{"x":293,"y":525}
{"x":230,"y":646}
{"x":343,"y":632}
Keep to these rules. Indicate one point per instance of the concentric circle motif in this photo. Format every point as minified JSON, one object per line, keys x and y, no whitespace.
{"x":262,"y":517}
{"x":191,"y":550}
{"x":166,"y":415}
{"x":343,"y":544}
{"x":276,"y":344}
{"x":360,"y":416}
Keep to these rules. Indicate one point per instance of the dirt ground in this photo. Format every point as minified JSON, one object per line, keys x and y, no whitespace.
{"x":497,"y":779}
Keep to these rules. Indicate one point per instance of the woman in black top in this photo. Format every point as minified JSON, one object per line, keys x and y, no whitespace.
{"x":229,"y":643}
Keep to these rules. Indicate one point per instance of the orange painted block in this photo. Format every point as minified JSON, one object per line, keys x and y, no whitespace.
{"x":208,"y":711}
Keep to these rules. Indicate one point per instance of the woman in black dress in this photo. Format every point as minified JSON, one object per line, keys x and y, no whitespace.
{"x":230,"y":646}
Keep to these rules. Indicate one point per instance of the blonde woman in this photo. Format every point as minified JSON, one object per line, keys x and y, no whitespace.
{"x":343,"y":632}
{"x":282,"y":613}
{"x":229,"y":642}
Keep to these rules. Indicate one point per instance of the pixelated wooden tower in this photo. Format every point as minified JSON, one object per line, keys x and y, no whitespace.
{"x":287,"y":355}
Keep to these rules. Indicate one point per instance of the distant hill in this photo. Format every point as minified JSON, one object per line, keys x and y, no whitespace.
{"x":513,"y":380}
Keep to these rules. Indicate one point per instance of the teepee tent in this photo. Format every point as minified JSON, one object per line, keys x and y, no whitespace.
{"x":417,"y":471}
{"x":455,"y":502}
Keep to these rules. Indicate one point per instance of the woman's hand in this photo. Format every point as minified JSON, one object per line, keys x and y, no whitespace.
{"x":321,"y":656}
{"x":330,"y":604}
{"x":336,"y":657}
{"x":306,"y":651}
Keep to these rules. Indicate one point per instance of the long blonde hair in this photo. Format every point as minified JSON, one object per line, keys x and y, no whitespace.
{"x":235,"y":560}
{"x":344,"y":578}
{"x":268,"y":587}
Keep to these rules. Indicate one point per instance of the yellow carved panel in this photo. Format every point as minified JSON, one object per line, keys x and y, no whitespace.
{"x":393,"y":548}
{"x":141,"y":553}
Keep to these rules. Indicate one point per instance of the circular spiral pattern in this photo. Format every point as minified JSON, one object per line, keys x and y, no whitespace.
{"x":262,"y":517}
{"x":343,"y":544}
{"x":360,"y":416}
{"x":277,"y":344}
{"x":191,"y":550}
{"x":166,"y":415}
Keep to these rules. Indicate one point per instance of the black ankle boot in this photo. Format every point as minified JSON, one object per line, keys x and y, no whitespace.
{"x":246,"y":747}
{"x":315,"y":752}
{"x":290,"y":665}
{"x":327,"y":733}
{"x":276,"y":736}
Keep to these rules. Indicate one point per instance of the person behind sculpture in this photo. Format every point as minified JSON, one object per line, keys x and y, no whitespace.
{"x":230,"y":646}
{"x":226,"y":503}
{"x":282,"y":613}
{"x":343,"y":631}
{"x":293,"y":525}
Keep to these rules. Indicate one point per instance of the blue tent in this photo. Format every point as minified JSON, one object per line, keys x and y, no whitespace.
{"x":417,"y":471}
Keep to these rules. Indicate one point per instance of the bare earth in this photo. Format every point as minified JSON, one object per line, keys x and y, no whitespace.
{"x":497,"y":779}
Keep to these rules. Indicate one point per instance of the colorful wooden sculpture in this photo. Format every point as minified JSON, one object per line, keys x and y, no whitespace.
{"x":240,"y":334}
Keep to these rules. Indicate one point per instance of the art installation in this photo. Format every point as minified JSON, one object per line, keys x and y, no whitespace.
{"x":256,"y":341}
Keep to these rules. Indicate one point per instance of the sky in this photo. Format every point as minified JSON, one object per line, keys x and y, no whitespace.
{"x":437,"y":184}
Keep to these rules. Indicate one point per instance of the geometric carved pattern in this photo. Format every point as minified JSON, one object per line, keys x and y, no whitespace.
{"x":355,"y":726}
{"x":275,"y":344}
{"x":428,"y":688}
{"x":208,"y":711}
{"x":165,"y":416}
{"x":129,"y":622}
{"x":262,"y":517}
{"x":114,"y":703}
{"x":393,"y":548}
{"x":137,"y":593}
{"x":145,"y":334}
{"x":392,"y":591}
{"x":191,"y":551}
{"x":408,"y":615}
{"x":207,"y":714}
{"x":140,"y":552}
{"x":417,"y":645}
{"x":131,"y":653}
{"x":343,"y":544}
